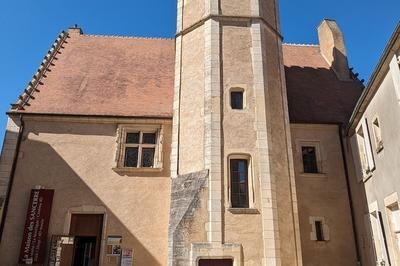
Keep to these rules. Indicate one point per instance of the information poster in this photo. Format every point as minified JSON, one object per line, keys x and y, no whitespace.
{"x":33,"y":246}
{"x":127,"y":257}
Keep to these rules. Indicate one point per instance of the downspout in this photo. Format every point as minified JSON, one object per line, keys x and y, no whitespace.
{"x":12,"y":174}
{"x":346,"y":171}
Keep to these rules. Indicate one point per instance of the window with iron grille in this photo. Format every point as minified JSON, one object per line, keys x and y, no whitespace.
{"x":310,"y":163}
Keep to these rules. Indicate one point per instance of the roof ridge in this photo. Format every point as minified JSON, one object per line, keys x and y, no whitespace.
{"x":34,"y":83}
{"x":302,"y":44}
{"x":127,"y":37}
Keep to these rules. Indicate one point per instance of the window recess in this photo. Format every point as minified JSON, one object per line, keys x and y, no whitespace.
{"x":377,"y":134}
{"x":139,"y":148}
{"x":237,"y":98}
{"x":365,"y":149}
{"x":320,"y":230}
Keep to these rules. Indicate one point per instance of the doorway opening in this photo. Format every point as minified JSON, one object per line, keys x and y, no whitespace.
{"x":87,"y":231}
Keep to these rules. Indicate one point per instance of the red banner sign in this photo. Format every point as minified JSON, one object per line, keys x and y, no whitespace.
{"x":33,"y":247}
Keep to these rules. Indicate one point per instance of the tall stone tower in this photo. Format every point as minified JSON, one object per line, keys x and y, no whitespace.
{"x":233,"y":192}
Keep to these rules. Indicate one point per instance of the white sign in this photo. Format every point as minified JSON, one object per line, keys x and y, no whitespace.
{"x":127,"y":257}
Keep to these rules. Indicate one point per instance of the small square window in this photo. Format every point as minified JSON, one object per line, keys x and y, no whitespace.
{"x":237,"y":100}
{"x":310,"y":164}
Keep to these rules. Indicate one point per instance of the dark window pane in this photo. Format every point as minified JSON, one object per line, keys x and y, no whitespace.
{"x":235,"y":200}
{"x":235,"y":177}
{"x":309,"y":160}
{"x":132,"y":138}
{"x":149,"y":138}
{"x":237,"y":100}
{"x":319,"y":231}
{"x":243,"y":188}
{"x":148,"y":157}
{"x":131,"y":157}
{"x":239,"y":184}
{"x":244,"y":201}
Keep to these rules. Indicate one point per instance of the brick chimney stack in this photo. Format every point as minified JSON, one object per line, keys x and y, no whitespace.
{"x":75,"y":31}
{"x":333,"y":49}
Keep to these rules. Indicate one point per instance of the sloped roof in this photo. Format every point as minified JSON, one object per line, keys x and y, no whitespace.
{"x":112,"y":76}
{"x":134,"y":77}
{"x":315,"y":94}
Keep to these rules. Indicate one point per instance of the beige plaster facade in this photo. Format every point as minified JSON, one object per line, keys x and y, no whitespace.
{"x":54,"y":154}
{"x":323,"y":195}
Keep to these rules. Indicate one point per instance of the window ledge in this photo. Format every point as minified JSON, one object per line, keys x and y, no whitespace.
{"x":367,"y":176}
{"x":379,"y":149}
{"x":244,"y":211}
{"x":316,"y":175}
{"x":321,"y":242}
{"x":136,"y":170}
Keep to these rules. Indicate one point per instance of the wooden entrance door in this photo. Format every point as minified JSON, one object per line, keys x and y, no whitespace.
{"x":86,"y":230}
{"x":223,"y":262}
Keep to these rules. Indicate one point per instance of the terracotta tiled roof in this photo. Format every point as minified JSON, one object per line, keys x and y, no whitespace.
{"x":315,"y":94}
{"x":116,"y":76}
{"x":113,"y":76}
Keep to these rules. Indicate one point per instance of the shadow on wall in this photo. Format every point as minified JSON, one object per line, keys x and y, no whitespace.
{"x":317,"y":95}
{"x":126,"y":200}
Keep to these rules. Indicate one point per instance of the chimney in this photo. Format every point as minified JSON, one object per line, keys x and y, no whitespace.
{"x":75,"y":31}
{"x":333,"y":49}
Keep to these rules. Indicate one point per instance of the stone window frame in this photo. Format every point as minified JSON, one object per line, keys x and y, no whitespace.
{"x":237,"y":88}
{"x":123,"y":130}
{"x":392,"y":202}
{"x":366,"y":156}
{"x":250,"y":181}
{"x":325,"y":229}
{"x":376,"y":229}
{"x":300,"y":143}
{"x":377,"y":130}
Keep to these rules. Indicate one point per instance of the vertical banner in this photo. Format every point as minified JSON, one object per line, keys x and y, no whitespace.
{"x":33,"y":247}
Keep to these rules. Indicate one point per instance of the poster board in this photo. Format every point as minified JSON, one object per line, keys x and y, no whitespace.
{"x":126,"y":257}
{"x":60,"y":246}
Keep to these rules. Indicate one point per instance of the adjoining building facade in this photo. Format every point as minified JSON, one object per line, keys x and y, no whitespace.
{"x":374,"y":142}
{"x":221,"y":147}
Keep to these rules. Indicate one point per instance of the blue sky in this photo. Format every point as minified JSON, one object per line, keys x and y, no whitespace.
{"x":29,"y":27}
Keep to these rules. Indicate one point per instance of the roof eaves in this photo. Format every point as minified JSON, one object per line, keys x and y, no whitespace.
{"x":27,"y":95}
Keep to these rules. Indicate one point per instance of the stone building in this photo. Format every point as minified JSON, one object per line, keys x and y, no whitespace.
{"x":223,"y":146}
{"x":375,"y":145}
